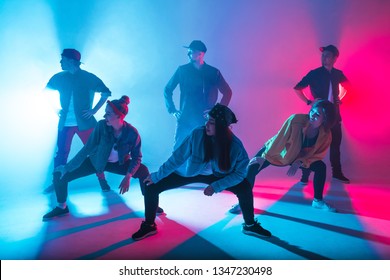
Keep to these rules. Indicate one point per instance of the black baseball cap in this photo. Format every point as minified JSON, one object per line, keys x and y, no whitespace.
{"x":72,"y":54}
{"x":331,"y":49}
{"x":197,"y":45}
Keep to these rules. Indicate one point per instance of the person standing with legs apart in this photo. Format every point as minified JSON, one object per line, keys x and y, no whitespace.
{"x":199,"y":86}
{"x":302,"y":142}
{"x":77,"y":88}
{"x":324,"y":84}
{"x":213,"y":144}
{"x":114,"y":146}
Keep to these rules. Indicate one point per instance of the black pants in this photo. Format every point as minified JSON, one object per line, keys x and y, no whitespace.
{"x":242,"y":190}
{"x":318,"y":167}
{"x":86,"y":168}
{"x":334,"y":153}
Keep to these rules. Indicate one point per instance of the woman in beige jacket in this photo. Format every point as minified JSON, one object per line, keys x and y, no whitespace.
{"x":302,"y":142}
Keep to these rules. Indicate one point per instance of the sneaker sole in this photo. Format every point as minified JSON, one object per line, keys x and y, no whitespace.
{"x":325,"y":209}
{"x":52,"y":218}
{"x":342,"y":181}
{"x":146,"y":235}
{"x":247,"y":232}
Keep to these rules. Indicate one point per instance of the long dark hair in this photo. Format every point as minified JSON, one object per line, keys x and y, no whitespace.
{"x":329,"y":111}
{"x":219,"y":148}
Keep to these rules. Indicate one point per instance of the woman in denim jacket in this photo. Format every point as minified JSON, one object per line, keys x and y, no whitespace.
{"x":114,"y":146}
{"x":215,"y":157}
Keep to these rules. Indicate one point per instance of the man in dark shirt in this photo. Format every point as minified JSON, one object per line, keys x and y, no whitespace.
{"x":199,"y":85}
{"x":77,"y":89}
{"x":324,"y":83}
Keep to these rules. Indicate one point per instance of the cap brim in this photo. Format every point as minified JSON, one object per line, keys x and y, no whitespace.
{"x":193,"y":49}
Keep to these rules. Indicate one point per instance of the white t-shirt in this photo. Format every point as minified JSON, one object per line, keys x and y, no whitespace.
{"x":113,"y":155}
{"x":330,"y":95}
{"x":71,"y":116}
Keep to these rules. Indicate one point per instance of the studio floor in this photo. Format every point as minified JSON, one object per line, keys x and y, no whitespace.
{"x":196,"y":227}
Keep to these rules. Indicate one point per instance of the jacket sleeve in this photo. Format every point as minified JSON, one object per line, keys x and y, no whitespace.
{"x":168,"y":91}
{"x":277,"y":146}
{"x":178,"y":157}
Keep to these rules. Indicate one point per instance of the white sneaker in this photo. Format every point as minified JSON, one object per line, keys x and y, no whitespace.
{"x":236,"y":209}
{"x":320,"y":204}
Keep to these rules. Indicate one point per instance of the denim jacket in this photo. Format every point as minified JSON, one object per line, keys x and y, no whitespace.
{"x":100,"y":144}
{"x":192,"y":150}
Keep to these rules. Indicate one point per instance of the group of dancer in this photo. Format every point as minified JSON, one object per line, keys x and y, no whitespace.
{"x":205,"y":151}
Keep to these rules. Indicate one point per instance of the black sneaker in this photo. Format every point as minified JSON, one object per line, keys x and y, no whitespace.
{"x":145,"y":231}
{"x":56,"y":212}
{"x":304,"y":181}
{"x":305,"y":177}
{"x":235,"y":209}
{"x":159,"y":211}
{"x":49,"y":189}
{"x":341,"y":178}
{"x":104,"y":185}
{"x":255,"y":230}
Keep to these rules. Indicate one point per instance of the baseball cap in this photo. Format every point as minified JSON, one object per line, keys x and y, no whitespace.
{"x":330,"y":48}
{"x":197,"y":45}
{"x":72,"y":54}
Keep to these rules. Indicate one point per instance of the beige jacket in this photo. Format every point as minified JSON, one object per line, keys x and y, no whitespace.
{"x":286,"y":146}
